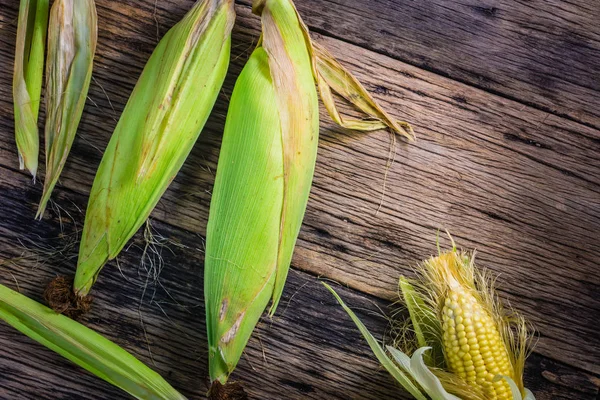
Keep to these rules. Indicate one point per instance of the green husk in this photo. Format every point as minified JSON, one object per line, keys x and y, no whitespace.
{"x":265,"y":172}
{"x":256,"y":196}
{"x":424,"y":323}
{"x":159,"y":126}
{"x":84,"y":347}
{"x":27,"y":79}
{"x":72,"y":37}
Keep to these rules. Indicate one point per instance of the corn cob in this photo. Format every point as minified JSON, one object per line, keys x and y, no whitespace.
{"x":27,"y":79}
{"x":454,"y":312}
{"x":472,"y":342}
{"x":159,"y":126}
{"x":83,"y":347}
{"x":72,"y":37}
{"x":264,"y":175}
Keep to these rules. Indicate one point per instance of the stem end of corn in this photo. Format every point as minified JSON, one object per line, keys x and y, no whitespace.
{"x":228,"y":391}
{"x":60,"y":297}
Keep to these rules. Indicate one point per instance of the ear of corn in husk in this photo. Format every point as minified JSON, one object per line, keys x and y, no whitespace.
{"x":159,"y":126}
{"x":27,"y":79}
{"x":467,"y":344}
{"x":264,"y":175}
{"x":84,"y":347}
{"x":72,"y":37}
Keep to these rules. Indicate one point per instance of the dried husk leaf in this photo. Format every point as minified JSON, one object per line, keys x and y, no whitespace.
{"x":159,"y":126}
{"x":72,"y":38}
{"x":332,"y":76}
{"x":84,"y":347}
{"x":27,"y":79}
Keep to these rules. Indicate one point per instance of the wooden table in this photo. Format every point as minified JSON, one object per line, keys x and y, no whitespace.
{"x":505,"y":100}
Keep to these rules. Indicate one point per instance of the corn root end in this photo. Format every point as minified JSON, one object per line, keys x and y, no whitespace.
{"x":60,"y":297}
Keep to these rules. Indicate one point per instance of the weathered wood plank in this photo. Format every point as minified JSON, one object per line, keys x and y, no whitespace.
{"x":311,"y":350}
{"x":514,"y":182}
{"x":543,"y":53}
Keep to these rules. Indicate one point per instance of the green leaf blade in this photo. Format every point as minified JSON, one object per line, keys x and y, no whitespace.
{"x":84,"y":347}
{"x":385,"y":361}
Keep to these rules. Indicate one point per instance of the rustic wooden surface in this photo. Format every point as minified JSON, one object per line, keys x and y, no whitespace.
{"x":505,"y":99}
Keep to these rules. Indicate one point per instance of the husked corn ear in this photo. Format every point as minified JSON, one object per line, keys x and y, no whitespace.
{"x":473,"y":346}
{"x":158,"y":128}
{"x":464,"y":344}
{"x":27,"y":79}
{"x":72,"y":37}
{"x":265,"y":171}
{"x":480,"y":341}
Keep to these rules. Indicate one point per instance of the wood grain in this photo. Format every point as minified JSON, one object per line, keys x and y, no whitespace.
{"x":519,"y":184}
{"x":311,"y":350}
{"x":541,"y":53}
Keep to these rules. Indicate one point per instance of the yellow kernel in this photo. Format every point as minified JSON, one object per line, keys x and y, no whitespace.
{"x":498,"y":384}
